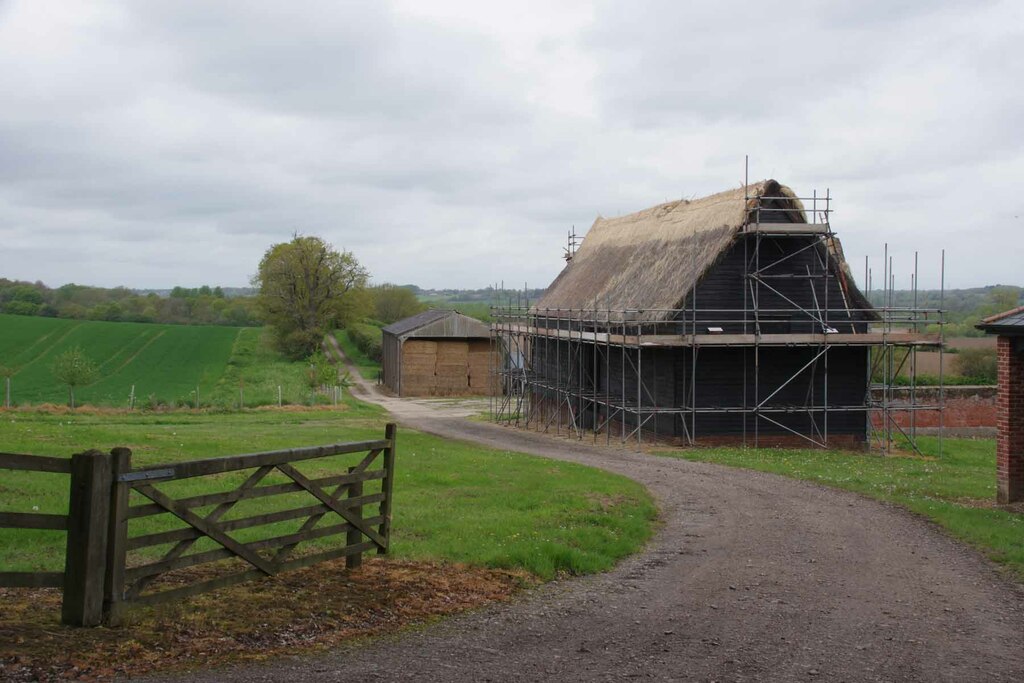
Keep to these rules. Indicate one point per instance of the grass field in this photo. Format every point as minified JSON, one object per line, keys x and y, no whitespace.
{"x":165,"y":363}
{"x":453,"y":501}
{"x":957,"y":491}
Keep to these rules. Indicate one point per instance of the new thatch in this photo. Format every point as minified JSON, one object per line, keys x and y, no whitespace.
{"x":653,"y":259}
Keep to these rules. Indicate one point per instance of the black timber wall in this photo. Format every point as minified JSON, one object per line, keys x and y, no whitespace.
{"x":725,"y":379}
{"x":800,"y":281}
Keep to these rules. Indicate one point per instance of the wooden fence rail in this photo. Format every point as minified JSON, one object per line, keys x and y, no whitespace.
{"x":100,"y":581}
{"x":24,"y":520}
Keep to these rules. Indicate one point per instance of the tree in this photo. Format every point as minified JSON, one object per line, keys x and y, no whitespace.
{"x":979,"y":364}
{"x":392,"y":303}
{"x":319,"y":372}
{"x":74,"y":369}
{"x":306,"y":289}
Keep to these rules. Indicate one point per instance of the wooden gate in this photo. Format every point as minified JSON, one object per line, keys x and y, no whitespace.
{"x":332,"y":505}
{"x":298,"y":519}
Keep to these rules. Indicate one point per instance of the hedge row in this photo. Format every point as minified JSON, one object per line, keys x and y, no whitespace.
{"x":367,"y":339}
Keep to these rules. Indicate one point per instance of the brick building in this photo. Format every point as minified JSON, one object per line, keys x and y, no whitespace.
{"x":1009,"y":327}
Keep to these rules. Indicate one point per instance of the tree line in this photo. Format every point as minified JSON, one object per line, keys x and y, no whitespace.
{"x":184,"y":306}
{"x":964,"y":308}
{"x":204,"y":305}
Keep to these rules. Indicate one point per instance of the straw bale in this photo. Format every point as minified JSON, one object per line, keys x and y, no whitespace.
{"x":419,"y":346}
{"x":452,"y":370}
{"x":418,"y":379}
{"x":419,"y":371}
{"x":452,"y":350}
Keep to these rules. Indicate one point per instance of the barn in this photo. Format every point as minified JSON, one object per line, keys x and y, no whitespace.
{"x":731,"y":318}
{"x":1009,"y":328}
{"x":436,"y":353}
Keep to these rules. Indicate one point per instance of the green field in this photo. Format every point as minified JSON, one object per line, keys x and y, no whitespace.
{"x":957,"y":491}
{"x":165,"y":363}
{"x":453,"y":501}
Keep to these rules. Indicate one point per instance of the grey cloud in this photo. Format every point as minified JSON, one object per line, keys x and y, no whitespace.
{"x":152,"y":143}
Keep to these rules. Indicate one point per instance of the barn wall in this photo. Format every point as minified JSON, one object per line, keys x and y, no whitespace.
{"x":565,"y":364}
{"x":391,"y":361}
{"x":724,"y":379}
{"x":720,"y":383}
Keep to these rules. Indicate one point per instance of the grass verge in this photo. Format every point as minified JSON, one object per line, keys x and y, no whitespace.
{"x":956,"y":491}
{"x":453,"y":501}
{"x":367,"y":367}
{"x":470,"y":525}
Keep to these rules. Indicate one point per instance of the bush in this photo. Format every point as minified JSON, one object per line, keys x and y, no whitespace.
{"x":978,"y":363}
{"x":367,"y":339}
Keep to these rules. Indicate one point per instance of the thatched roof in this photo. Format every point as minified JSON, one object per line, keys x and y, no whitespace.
{"x":652,"y":259}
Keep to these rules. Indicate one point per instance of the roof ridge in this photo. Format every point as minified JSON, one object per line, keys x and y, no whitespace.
{"x":1005,"y":314}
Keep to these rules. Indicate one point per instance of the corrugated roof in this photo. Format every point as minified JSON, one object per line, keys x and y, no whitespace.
{"x":1007,"y":322}
{"x":439,"y":322}
{"x":400,"y":327}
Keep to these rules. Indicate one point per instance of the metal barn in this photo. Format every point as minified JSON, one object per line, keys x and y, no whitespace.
{"x":731,"y":318}
{"x":436,"y":353}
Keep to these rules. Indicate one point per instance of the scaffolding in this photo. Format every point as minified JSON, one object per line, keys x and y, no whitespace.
{"x":552,"y":368}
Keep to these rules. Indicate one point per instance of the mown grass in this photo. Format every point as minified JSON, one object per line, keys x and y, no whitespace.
{"x":367,"y":367}
{"x":453,"y":501}
{"x":957,"y":491}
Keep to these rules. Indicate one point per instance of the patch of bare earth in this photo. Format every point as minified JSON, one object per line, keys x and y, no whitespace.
{"x":297,"y":612}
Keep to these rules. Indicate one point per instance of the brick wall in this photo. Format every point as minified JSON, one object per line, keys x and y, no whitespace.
{"x":966,"y":407}
{"x":1010,"y":421}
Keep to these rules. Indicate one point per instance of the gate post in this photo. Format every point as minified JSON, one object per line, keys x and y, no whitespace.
{"x":117,"y":538}
{"x":86,"y":553}
{"x":387,"y":485}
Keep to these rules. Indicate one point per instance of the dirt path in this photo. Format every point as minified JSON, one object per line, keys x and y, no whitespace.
{"x":751,"y":577}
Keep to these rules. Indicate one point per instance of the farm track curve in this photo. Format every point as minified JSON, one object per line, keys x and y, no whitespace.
{"x":750,"y":577}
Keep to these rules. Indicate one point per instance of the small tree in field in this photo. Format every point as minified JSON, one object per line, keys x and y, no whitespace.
{"x":74,"y":369}
{"x":319,"y":372}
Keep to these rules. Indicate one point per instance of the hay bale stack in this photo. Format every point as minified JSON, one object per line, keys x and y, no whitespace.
{"x":479,"y":366}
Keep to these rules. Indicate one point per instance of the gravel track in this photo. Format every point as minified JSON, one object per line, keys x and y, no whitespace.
{"x":751,"y":577}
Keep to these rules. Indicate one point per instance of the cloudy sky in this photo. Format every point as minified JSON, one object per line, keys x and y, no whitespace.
{"x":151,"y":143}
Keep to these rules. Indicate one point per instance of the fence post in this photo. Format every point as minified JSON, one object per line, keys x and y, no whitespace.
{"x":354,"y":536}
{"x":386,"y":485}
{"x":86,"y":554}
{"x":117,"y":538}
